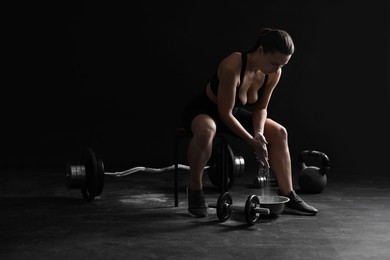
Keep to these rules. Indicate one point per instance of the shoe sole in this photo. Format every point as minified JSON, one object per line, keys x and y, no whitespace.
{"x":299,"y":212}
{"x":197,"y":215}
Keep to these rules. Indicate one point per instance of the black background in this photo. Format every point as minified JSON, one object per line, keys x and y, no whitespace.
{"x":116,"y":75}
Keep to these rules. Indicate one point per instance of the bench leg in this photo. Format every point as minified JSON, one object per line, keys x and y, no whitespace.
{"x":176,"y":188}
{"x":225,"y":166}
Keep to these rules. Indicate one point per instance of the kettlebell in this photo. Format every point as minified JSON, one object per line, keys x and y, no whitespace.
{"x":312,"y":179}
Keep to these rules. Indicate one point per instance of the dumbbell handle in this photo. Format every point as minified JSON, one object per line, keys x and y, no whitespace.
{"x":258,"y":209}
{"x":229,"y":206}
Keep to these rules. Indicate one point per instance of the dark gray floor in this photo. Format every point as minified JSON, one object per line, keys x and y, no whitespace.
{"x":134,"y":218}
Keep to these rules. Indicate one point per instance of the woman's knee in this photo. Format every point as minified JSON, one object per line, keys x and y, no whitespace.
{"x":276,"y":133}
{"x":282,"y":133}
{"x":204,"y":129}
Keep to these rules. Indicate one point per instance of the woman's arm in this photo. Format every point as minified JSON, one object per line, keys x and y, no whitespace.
{"x":260,"y":109}
{"x":229,"y":79}
{"x":259,"y":117}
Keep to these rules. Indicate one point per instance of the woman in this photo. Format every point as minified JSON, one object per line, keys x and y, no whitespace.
{"x":235,"y":101}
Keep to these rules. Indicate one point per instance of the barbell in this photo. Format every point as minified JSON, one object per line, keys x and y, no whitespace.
{"x":87,"y":173}
{"x":252,"y":210}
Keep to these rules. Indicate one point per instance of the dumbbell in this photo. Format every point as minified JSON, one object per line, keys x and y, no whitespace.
{"x":251,"y":210}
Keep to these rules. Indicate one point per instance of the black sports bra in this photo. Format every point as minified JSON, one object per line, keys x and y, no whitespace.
{"x":214,"y":82}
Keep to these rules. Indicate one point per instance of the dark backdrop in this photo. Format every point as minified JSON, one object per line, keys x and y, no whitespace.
{"x":115,"y":76}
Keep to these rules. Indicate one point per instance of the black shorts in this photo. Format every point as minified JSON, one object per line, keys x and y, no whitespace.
{"x":203,"y":105}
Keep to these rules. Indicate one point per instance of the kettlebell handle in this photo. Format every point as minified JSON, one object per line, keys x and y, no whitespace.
{"x":313,"y":153}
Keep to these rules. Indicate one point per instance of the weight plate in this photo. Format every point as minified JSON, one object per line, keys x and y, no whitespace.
{"x":215,"y":170}
{"x":223,"y":210}
{"x":239,"y":165}
{"x":100,"y":169}
{"x":250,"y":214}
{"x":90,"y":190}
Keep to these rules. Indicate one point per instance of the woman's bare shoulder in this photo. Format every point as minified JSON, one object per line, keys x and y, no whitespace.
{"x":232,"y":62}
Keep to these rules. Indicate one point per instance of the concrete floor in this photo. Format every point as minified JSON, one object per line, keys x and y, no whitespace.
{"x":135,"y":218}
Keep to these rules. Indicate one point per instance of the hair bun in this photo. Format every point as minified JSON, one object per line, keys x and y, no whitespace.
{"x":265,"y":31}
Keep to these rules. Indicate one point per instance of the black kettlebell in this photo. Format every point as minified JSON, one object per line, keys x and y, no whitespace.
{"x":312,"y":179}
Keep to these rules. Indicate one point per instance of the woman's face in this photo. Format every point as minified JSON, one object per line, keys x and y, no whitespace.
{"x":271,"y":62}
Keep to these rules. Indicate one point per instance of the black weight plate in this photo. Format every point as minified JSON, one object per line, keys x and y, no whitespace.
{"x":100,"y":173}
{"x":215,"y":170}
{"x":250,"y":205}
{"x":240,"y":165}
{"x":92,"y":175}
{"x":223,"y":211}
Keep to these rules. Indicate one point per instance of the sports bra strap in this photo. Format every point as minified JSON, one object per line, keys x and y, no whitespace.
{"x":244,"y":59}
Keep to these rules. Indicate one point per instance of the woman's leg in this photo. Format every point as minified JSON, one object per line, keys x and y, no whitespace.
{"x":280,"y":162}
{"x":279,"y":155}
{"x":199,"y":151}
{"x":200,"y":148}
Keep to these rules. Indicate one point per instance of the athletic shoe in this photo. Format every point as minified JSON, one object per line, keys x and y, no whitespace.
{"x":298,"y":206}
{"x":196,"y":203}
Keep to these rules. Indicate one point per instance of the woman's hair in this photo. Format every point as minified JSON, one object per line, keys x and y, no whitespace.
{"x":274,"y":40}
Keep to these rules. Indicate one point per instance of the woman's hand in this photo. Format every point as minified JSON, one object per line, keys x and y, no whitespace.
{"x":260,"y":147}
